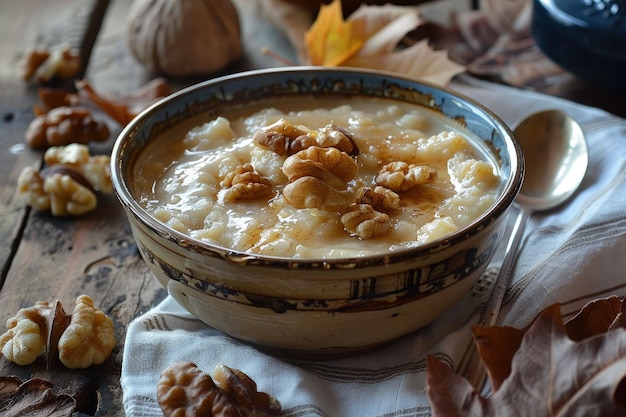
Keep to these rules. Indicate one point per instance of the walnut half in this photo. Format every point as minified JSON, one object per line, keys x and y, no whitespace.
{"x":65,"y":125}
{"x":244,"y":183}
{"x":318,"y":178}
{"x":83,"y":339}
{"x":185,"y":391}
{"x":285,"y":138}
{"x":365,"y":222}
{"x":400,"y":176}
{"x":68,"y":185}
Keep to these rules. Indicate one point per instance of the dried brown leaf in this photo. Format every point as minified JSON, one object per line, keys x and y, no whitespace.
{"x":551,"y":375}
{"x":124,"y":109}
{"x":33,"y":398}
{"x":497,"y":347}
{"x":596,"y":317}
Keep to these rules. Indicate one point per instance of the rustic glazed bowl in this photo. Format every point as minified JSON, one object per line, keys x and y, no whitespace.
{"x":315,"y":307}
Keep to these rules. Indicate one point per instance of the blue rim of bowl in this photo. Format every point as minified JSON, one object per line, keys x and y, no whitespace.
{"x":291,"y":86}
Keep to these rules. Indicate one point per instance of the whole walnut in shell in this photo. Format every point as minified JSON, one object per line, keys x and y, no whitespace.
{"x":182,"y":38}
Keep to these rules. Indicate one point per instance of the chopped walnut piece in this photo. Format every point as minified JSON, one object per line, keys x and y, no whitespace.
{"x":69,"y":183}
{"x":30,"y":188}
{"x":90,"y":337}
{"x":278,"y":136}
{"x":327,"y":164}
{"x":64,"y":125}
{"x":95,"y":169}
{"x":69,"y":193}
{"x":63,"y":63}
{"x":365,"y":222}
{"x":26,"y":335}
{"x":185,"y":391}
{"x":33,"y":60}
{"x":244,"y":183}
{"x":400,"y":176}
{"x":309,"y":192}
{"x":380,"y":198}
{"x":318,"y":178}
{"x":300,"y":143}
{"x":285,"y":138}
{"x":338,"y":137}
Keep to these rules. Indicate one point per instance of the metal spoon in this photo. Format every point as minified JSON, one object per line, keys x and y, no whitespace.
{"x":556,"y":155}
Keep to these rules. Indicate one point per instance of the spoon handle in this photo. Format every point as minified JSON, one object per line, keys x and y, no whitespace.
{"x":471,"y":366}
{"x":503,"y":280}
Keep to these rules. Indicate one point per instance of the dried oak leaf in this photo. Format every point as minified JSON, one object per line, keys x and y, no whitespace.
{"x":497,"y":345}
{"x":370,"y":37}
{"x":34,"y":398}
{"x":551,"y":375}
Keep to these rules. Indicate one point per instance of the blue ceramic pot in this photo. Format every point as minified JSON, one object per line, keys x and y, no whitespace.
{"x":585,"y":37}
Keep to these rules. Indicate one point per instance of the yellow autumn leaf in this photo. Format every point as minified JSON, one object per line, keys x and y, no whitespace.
{"x":331,"y":41}
{"x":370,"y":38}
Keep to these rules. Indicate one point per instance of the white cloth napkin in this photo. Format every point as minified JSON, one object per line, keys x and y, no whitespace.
{"x":571,"y":255}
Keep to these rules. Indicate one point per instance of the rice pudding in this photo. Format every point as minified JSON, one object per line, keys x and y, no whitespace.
{"x":351,"y":180}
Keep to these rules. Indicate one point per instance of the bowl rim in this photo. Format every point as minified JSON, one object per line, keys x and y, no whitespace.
{"x":499,"y":207}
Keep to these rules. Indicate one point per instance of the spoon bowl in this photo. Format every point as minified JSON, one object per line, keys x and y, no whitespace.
{"x":555,"y":151}
{"x":556,"y":158}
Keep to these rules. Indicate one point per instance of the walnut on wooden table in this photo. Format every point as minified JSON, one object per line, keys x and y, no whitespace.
{"x":45,"y":65}
{"x":90,"y":337}
{"x":25,"y":338}
{"x":68,"y":185}
{"x":64,"y":125}
{"x":84,"y":338}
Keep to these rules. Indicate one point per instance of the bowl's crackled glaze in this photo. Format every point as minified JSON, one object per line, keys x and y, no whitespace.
{"x":315,"y":307}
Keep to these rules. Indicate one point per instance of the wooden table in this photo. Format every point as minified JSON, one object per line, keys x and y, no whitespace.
{"x":46,"y":258}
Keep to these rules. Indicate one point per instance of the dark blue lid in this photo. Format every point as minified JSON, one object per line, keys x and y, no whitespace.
{"x":586,"y":37}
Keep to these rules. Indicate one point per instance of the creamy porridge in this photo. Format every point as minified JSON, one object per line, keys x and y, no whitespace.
{"x":335,"y":181}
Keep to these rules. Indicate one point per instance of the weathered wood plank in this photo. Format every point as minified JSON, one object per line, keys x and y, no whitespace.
{"x":61,"y":258}
{"x":26,"y":25}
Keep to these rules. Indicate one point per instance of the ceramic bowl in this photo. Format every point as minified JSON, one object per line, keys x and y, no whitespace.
{"x":315,"y":307}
